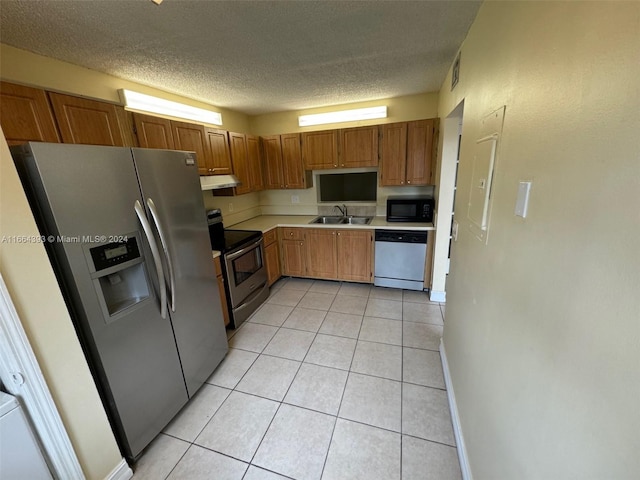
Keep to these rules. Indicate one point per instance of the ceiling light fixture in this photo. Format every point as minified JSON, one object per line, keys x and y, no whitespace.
{"x":147,"y":103}
{"x":343,"y":116}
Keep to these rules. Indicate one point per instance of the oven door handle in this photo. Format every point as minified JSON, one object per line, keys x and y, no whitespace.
{"x":244,"y":250}
{"x":165,"y":249}
{"x":156,"y":256}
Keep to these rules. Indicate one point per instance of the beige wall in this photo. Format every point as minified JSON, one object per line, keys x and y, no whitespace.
{"x":542,"y":327}
{"x":20,"y":66}
{"x":38,"y":301}
{"x":400,"y":109}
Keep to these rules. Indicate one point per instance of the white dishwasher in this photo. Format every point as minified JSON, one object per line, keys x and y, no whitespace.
{"x":399,"y":259}
{"x":20,"y":455}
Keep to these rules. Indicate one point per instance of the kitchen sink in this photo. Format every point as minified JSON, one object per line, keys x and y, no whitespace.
{"x":327,"y":220}
{"x":331,"y":220}
{"x":357,"y":220}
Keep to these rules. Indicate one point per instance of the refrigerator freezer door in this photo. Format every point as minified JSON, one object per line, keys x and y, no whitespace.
{"x":171,"y":186}
{"x":83,"y":192}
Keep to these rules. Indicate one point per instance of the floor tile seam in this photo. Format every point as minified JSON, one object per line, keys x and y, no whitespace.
{"x":268,"y":470}
{"x":419,"y":348}
{"x":401,"y":388}
{"x":213,"y":414}
{"x":341,"y":400}
{"x":222,"y":453}
{"x":280,"y":403}
{"x":360,"y":422}
{"x":420,"y":323}
{"x":309,"y":409}
{"x":316,"y":308}
{"x":243,"y":375}
{"x":383,"y":318}
{"x":179,"y":460}
{"x":421,"y":385}
{"x":379,"y":343}
{"x":424,"y":323}
{"x":429,"y":440}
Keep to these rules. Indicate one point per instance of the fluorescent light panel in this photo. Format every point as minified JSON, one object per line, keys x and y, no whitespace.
{"x":147,"y":103}
{"x":343,"y":116}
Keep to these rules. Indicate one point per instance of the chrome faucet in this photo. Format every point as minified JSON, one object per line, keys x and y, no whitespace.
{"x":342,"y":210}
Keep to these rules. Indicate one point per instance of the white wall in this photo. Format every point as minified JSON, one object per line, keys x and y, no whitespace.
{"x":542,"y":327}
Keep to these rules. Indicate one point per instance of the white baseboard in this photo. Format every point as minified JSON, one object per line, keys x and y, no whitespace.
{"x":436,"y":296}
{"x":121,"y":472}
{"x":455,"y":419}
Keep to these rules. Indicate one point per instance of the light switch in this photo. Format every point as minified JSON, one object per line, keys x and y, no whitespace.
{"x":522,"y":202}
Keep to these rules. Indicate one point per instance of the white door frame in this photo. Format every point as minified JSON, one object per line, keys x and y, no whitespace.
{"x":22,"y":377}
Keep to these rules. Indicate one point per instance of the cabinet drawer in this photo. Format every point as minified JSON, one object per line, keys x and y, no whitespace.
{"x":292,"y":233}
{"x":270,"y":237}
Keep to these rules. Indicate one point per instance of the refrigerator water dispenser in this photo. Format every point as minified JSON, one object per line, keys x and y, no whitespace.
{"x":120,"y":278}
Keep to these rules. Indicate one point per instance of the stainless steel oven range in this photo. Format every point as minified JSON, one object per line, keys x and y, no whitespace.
{"x":243,"y":268}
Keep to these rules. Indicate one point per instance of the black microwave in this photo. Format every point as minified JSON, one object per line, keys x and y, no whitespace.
{"x":410,"y":209}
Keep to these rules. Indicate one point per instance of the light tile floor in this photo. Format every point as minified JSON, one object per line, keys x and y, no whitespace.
{"x":327,"y":380}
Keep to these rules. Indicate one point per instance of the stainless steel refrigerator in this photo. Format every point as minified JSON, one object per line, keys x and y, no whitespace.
{"x":126,"y":232}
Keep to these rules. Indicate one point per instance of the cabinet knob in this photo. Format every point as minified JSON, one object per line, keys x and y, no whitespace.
{"x":335,"y":164}
{"x":408,"y":181}
{"x":300,"y":243}
{"x":338,"y":233}
{"x":291,"y":233}
{"x":401,"y":183}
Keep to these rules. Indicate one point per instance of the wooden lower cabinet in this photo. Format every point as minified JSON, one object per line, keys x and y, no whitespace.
{"x":272,"y":256}
{"x":293,"y":258}
{"x":329,"y":254}
{"x":221,"y":290}
{"x":355,"y":255}
{"x":320,"y":247}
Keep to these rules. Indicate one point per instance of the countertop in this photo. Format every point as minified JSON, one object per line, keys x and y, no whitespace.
{"x":216,"y":253}
{"x":264,"y":223}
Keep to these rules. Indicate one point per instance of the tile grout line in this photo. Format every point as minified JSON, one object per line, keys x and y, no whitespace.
{"x":402,"y":387}
{"x":335,"y":424}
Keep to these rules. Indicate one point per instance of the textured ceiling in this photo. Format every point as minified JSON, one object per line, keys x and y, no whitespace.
{"x":251,"y":56}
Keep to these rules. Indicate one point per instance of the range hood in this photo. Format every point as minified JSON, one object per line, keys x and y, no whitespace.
{"x":213,"y":182}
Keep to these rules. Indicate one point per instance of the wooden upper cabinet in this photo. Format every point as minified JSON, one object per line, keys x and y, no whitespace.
{"x":359,"y":147}
{"x":91,"y":122}
{"x":153,"y":132}
{"x":408,"y":153}
{"x":394,"y":154}
{"x":25,"y":115}
{"x":220,"y":155}
{"x":272,"y":162}
{"x":292,"y":169}
{"x":355,"y":255}
{"x":420,"y":151}
{"x":254,"y":155}
{"x":191,"y":137}
{"x":240,"y":160}
{"x":320,"y":149}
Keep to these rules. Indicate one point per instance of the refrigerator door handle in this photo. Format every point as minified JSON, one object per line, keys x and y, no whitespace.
{"x":165,"y":249}
{"x":156,"y":256}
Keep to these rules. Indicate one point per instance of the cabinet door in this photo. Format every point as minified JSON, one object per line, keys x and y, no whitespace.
{"x":25,"y":115}
{"x":219,"y":149}
{"x":320,"y":246}
{"x":153,"y":132}
{"x":359,"y":147}
{"x":255,"y":163}
{"x":191,"y":137}
{"x":419,"y":152}
{"x":272,"y":262}
{"x":240,"y":161}
{"x":293,"y":258}
{"x":394,"y":154}
{"x":272,"y":162}
{"x":90,"y":122}
{"x":320,"y":149}
{"x":354,"y":255}
{"x":292,"y":169}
